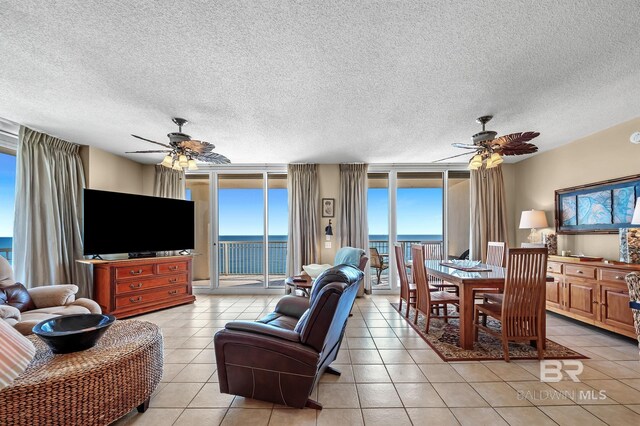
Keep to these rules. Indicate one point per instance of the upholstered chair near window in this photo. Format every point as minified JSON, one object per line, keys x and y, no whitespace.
{"x":24,"y":308}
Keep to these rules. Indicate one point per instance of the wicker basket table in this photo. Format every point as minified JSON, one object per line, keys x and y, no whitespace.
{"x":92,"y":387}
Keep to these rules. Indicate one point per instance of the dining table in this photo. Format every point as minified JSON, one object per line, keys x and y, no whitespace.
{"x":468,"y":281}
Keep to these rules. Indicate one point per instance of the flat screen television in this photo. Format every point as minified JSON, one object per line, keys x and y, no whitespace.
{"x":125,"y":223}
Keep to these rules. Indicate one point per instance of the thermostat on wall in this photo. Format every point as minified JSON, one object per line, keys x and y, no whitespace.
{"x":635,"y":137}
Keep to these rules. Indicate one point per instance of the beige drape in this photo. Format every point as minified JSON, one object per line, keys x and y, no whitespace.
{"x":169,"y":183}
{"x":48,"y":210}
{"x":488,"y":210}
{"x":304,"y":205}
{"x":353,"y":225}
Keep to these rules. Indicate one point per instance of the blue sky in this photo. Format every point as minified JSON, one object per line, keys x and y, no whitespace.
{"x":241,"y":211}
{"x":419,"y":211}
{"x":7,"y":193}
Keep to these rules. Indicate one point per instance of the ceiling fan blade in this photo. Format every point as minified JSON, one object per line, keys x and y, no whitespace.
{"x":212,"y":157}
{"x":516,"y":144}
{"x":149,"y":140}
{"x":148,"y":152}
{"x":453,"y":156}
{"x":464,"y":145}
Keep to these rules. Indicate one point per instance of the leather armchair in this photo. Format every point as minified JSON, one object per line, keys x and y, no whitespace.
{"x":50,"y":301}
{"x":281,"y":357}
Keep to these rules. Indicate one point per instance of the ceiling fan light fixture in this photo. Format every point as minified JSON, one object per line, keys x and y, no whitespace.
{"x":176,"y":166}
{"x":496,"y":159}
{"x":167,"y":161}
{"x":476,"y":162}
{"x":192,"y":164}
{"x":183,"y":161}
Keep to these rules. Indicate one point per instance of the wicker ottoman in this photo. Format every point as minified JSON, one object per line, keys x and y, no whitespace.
{"x":92,"y":387}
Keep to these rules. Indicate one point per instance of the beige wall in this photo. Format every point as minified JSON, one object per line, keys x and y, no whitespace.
{"x":110,"y":172}
{"x":459,"y":216}
{"x":329,"y":183}
{"x":604,"y":155}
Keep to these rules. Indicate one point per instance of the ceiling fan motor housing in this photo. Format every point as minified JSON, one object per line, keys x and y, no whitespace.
{"x":177,"y":137}
{"x":484,"y":136}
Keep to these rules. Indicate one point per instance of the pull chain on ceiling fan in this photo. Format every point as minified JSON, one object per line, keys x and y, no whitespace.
{"x":182,"y":151}
{"x":489,"y":150}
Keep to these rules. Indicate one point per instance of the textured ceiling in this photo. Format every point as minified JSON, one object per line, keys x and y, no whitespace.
{"x":327,"y":81}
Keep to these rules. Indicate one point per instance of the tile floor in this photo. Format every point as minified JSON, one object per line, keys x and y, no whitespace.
{"x":390,"y":376}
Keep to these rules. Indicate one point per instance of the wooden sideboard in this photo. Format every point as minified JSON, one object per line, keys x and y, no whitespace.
{"x":135,"y":286}
{"x":592,"y":292}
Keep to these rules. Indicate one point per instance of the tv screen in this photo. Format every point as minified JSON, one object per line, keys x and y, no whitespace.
{"x":125,"y":223}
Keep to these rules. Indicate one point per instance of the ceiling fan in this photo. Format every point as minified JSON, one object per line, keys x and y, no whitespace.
{"x":182,"y":151}
{"x":489,"y":150}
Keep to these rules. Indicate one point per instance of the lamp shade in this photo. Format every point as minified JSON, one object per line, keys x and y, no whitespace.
{"x":16,"y":351}
{"x":533,"y":219}
{"x":636,"y":214}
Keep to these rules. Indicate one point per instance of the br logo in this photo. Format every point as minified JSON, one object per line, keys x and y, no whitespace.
{"x":551,"y":370}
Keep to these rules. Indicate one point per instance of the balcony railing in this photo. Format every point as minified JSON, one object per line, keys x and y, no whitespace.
{"x":7,"y":253}
{"x":383,"y":246}
{"x":247,"y":257}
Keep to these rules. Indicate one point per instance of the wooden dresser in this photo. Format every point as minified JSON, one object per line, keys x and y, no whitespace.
{"x":135,"y":286}
{"x":592,"y":292}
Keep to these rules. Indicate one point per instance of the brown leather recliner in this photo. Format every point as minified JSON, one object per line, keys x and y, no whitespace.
{"x":280,"y":357}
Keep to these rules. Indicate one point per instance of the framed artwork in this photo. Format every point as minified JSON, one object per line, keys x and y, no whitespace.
{"x":328,"y":207}
{"x":601,"y":207}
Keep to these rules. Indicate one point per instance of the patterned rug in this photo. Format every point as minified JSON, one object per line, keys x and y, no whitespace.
{"x":443,"y":338}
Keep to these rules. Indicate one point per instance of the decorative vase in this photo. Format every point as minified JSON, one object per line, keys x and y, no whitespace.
{"x":550,"y":240}
{"x":630,"y":245}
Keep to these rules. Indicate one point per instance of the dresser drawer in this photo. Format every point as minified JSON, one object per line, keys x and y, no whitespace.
{"x":613,"y":275}
{"x":580,"y":271}
{"x":129,"y":286}
{"x":168,"y":268}
{"x":554,"y":267}
{"x":151,"y":296}
{"x":134,"y":271}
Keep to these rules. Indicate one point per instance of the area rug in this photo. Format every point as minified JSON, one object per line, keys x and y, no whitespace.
{"x":443,"y":338}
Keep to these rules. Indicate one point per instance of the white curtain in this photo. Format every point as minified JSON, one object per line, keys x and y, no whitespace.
{"x":169,"y":183}
{"x":48,"y":213}
{"x":353,"y":226}
{"x":488,"y":211}
{"x":304,"y":204}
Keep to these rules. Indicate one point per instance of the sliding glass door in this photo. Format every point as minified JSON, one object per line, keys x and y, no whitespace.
{"x":241,"y":229}
{"x":378,"y":218}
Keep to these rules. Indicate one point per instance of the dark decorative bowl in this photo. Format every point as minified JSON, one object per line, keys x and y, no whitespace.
{"x":72,"y":333}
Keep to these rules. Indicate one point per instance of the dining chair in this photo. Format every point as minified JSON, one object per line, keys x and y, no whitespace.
{"x":428,"y":302}
{"x":407,"y":289}
{"x":434,"y":251}
{"x":495,"y":257}
{"x":522,"y":309}
{"x":377,"y":262}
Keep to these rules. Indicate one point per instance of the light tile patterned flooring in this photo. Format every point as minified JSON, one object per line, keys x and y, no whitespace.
{"x":390,"y":376}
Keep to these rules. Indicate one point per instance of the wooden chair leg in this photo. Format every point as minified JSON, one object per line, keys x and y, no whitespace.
{"x":428,"y":321}
{"x":446,"y":313}
{"x":540,"y":348}
{"x":415,"y":319}
{"x":505,"y":348}
{"x":400,"y":305}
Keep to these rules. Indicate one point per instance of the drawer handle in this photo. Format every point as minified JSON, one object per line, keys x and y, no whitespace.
{"x":618,"y":277}
{"x":173,"y":267}
{"x":135,"y":299}
{"x":173,"y":280}
{"x":549,"y":267}
{"x":134,"y":286}
{"x":172,"y":292}
{"x":138,"y":272}
{"x":579,"y":271}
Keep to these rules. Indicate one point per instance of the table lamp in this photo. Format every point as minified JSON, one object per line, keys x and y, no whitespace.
{"x":533,"y":219}
{"x":16,"y":351}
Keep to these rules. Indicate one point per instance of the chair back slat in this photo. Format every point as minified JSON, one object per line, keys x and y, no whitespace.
{"x":524,"y":292}
{"x":495,"y":253}
{"x":376,"y":261}
{"x":402,"y":271}
{"x":433,"y":251}
{"x":420,"y":278}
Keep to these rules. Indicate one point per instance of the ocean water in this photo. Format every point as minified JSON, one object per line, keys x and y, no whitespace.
{"x":5,"y":242}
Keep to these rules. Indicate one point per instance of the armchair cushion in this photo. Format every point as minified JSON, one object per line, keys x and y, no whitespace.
{"x":54,"y":295}
{"x":292,"y":306}
{"x":265,"y":329}
{"x":8,"y":312}
{"x":16,"y":295}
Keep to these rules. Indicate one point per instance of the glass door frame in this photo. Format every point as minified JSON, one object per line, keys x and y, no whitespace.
{"x":392,"y":171}
{"x":214,"y":172}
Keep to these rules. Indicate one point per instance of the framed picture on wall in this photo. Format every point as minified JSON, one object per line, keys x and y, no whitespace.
{"x":328,"y":207}
{"x":601,"y":207}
